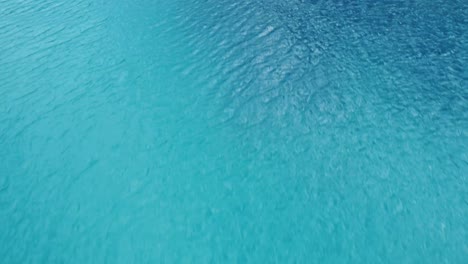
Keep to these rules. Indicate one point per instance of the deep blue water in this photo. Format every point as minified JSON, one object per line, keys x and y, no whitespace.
{"x":223,"y":131}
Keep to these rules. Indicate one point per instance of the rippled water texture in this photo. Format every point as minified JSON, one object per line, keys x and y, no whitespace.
{"x":223,"y":131}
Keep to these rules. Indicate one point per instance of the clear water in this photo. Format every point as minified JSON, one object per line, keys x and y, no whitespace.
{"x":223,"y":131}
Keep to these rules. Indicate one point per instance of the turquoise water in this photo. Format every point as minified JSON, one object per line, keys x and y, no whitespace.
{"x":233,"y":131}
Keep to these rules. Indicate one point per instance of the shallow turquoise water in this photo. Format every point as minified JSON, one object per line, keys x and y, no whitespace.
{"x":233,"y":131}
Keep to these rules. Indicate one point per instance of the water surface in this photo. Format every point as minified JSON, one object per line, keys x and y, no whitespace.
{"x":233,"y":131}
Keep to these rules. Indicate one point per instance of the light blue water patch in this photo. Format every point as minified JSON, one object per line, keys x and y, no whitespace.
{"x":233,"y":131}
